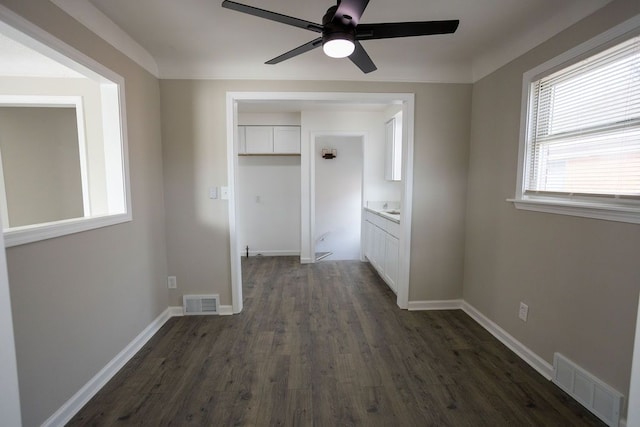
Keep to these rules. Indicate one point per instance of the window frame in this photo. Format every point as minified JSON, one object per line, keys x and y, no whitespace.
{"x":113,"y":91}
{"x":610,"y":208}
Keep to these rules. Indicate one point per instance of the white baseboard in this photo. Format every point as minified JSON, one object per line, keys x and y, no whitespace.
{"x":270,"y":253}
{"x":536,"y":362}
{"x":175,"y":311}
{"x":225,"y":310}
{"x":63,"y":415}
{"x":451,"y":304}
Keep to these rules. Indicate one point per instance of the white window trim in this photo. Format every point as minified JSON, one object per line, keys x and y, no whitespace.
{"x":112,"y":85}
{"x":583,"y":206}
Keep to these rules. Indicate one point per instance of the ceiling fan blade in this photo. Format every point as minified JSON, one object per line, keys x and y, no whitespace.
{"x":405,"y":29}
{"x":297,"y":51}
{"x":351,"y":10}
{"x":361,"y":59}
{"x":273,"y":16}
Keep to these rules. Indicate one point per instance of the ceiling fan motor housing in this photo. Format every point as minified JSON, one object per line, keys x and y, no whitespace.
{"x":338,"y":28}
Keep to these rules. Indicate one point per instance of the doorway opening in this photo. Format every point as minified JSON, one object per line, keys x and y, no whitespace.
{"x":337,"y":103}
{"x":337,"y":181}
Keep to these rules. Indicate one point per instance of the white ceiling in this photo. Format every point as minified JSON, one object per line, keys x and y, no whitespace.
{"x":200,"y":39}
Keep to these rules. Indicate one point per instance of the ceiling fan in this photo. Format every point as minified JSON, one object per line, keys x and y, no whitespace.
{"x":342,"y":32}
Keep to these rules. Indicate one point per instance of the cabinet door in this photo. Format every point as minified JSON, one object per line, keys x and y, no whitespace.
{"x":368,"y":240}
{"x":391,"y":261}
{"x":286,"y":139}
{"x":259,"y":139}
{"x":378,"y":248}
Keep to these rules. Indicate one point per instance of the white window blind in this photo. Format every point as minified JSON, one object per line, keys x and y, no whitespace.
{"x":584,"y":127}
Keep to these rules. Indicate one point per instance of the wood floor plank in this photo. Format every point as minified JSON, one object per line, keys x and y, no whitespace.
{"x":326,"y":345}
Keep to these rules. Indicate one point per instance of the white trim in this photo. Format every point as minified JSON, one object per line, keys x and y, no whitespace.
{"x":451,"y":304}
{"x":175,"y":311}
{"x":232,"y":178}
{"x":4,"y":208}
{"x":543,"y":367}
{"x":585,"y":210}
{"x":225,"y":310}
{"x":406,"y":196}
{"x":100,"y":24}
{"x":269,"y":253}
{"x":28,"y":234}
{"x":607,"y":209}
{"x":64,"y":414}
{"x":408,"y":110}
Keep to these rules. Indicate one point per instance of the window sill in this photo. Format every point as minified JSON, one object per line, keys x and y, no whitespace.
{"x":28,"y":234}
{"x":609,"y":212}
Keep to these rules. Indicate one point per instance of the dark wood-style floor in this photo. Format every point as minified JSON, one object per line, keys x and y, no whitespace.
{"x":326,"y":345}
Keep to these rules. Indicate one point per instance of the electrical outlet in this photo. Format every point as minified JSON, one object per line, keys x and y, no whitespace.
{"x":171,"y":282}
{"x":524,"y":312}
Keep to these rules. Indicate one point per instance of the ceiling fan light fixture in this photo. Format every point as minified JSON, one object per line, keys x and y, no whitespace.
{"x":338,"y":48}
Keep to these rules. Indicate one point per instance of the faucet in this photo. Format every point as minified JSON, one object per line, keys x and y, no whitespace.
{"x":385,"y":206}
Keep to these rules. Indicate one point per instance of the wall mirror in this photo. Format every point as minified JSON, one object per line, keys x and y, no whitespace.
{"x":63,"y":152}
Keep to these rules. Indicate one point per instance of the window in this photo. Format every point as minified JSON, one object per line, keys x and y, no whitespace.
{"x":63,"y":150}
{"x":580,"y":136}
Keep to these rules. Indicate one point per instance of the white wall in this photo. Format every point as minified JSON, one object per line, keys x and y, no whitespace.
{"x":268,"y":192}
{"x":338,"y":197}
{"x":370,"y":124}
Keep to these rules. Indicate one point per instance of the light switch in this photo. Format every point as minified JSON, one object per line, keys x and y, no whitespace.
{"x":224,"y":193}
{"x":213,"y":192}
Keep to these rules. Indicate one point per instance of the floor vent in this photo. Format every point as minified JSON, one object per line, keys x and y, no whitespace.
{"x":200,"y":304}
{"x":593,"y":394}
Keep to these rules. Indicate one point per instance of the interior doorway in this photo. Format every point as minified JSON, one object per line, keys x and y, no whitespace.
{"x":338,"y":196}
{"x":329,"y":101}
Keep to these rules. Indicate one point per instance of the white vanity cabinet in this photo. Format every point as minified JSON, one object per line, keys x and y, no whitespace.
{"x":382,"y":247}
{"x":268,"y":140}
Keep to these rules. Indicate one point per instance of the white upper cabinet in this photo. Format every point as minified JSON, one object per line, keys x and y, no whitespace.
{"x":393,"y":148}
{"x":286,"y":139}
{"x":268,"y":140}
{"x":259,"y":139}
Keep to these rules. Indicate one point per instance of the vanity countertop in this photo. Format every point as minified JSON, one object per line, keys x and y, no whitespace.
{"x":390,"y":214}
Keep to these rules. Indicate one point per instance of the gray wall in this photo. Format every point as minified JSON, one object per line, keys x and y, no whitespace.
{"x":41,"y":164}
{"x":195,"y":157}
{"x":580,"y":277}
{"x":79,"y":300}
{"x":89,"y":90}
